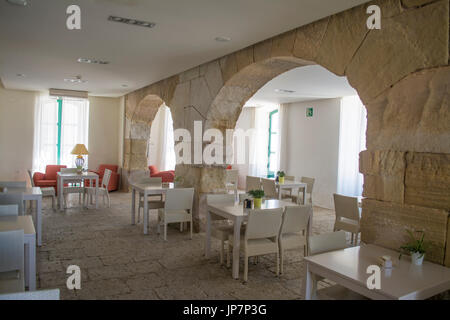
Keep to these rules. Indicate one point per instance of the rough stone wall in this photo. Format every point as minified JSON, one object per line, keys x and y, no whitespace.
{"x":401,"y":73}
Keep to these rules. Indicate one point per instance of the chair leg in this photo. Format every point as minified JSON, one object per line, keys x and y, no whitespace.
{"x":165,"y":231}
{"x":278,"y":263}
{"x":246,"y":268}
{"x":229,"y":255}
{"x":158,"y":225}
{"x":281,"y":261}
{"x":53,"y":202}
{"x":191,"y":228}
{"x":109,"y":200}
{"x":222,"y":245}
{"x":181,"y":226}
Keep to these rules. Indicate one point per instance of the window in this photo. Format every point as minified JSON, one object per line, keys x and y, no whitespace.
{"x":60,"y":123}
{"x":273,"y":149}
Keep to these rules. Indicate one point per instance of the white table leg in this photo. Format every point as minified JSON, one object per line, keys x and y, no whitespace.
{"x":60,"y":192}
{"x":30,"y":264}
{"x":208,"y":235}
{"x":145,"y":212}
{"x":304,"y":195}
{"x":39,"y":220}
{"x":96,"y":192}
{"x":133,"y":206}
{"x":308,"y":283}
{"x":236,"y":246}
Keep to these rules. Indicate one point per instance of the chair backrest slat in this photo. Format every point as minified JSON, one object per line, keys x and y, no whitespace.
{"x":179,"y":199}
{"x":309,"y":184}
{"x":327,"y":242}
{"x":13,"y":184}
{"x":223,"y":199}
{"x":106,"y":177}
{"x":346,"y":207}
{"x":252,"y":183}
{"x":263,"y":223}
{"x":296,"y":219}
{"x":9,"y":210}
{"x":11,"y":251}
{"x":269,"y":187}
{"x":13,"y":198}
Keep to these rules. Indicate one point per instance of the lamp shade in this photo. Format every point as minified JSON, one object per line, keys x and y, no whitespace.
{"x":79,"y":149}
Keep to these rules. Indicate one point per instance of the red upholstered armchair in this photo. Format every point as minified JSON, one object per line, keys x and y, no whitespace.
{"x":115,"y":177}
{"x":167,"y":176}
{"x":47,"y":179}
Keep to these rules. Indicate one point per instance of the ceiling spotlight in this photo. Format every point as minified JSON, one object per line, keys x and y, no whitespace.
{"x":93,"y":61}
{"x":132,"y":21}
{"x":223,"y":39}
{"x":22,"y":3}
{"x":20,"y":75}
{"x":284,"y":91}
{"x":77,"y":79}
{"x":125,"y":86}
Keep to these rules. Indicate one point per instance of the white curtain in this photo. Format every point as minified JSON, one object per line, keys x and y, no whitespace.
{"x":282,"y":132}
{"x":259,"y":142}
{"x":74,"y":129}
{"x":161,"y":151}
{"x":352,"y":140}
{"x":45,"y":132}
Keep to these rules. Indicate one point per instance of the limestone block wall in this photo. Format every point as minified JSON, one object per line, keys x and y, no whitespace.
{"x":401,"y":73}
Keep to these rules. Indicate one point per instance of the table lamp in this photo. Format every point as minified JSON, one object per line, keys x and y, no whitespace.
{"x":79,"y":150}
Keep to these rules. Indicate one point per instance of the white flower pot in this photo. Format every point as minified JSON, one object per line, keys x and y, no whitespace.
{"x":417,"y":258}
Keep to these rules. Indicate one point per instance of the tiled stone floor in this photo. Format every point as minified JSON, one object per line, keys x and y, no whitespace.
{"x":118,"y":262}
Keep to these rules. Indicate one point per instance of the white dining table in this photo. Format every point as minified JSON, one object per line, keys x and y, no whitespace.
{"x":146,"y":189}
{"x":291,"y":184}
{"x":237,"y":214}
{"x":33,"y":194}
{"x":404,"y":281}
{"x":9,"y":223}
{"x":68,"y":176}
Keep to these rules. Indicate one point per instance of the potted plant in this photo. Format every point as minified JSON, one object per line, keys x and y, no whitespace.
{"x":281,"y":175}
{"x":257,"y":197}
{"x":416,"y":248}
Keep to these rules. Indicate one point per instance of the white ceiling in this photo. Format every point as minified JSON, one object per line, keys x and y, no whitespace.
{"x":308,"y":83}
{"x":35,"y":41}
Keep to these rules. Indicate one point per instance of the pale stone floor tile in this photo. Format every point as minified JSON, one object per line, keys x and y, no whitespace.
{"x":118,"y":262}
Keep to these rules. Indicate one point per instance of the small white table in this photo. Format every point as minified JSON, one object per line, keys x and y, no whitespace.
{"x":237,"y":214}
{"x":146,"y":190}
{"x":8,"y":223}
{"x":291,"y":184}
{"x":75,"y":177}
{"x":404,"y":281}
{"x":33,"y":194}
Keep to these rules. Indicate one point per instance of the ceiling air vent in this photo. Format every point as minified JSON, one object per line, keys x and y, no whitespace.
{"x":135,"y":22}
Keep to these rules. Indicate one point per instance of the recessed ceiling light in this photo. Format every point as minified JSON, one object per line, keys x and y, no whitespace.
{"x":132,"y":21}
{"x":20,"y":75}
{"x":125,"y":85}
{"x":93,"y":61}
{"x":22,"y":3}
{"x":284,"y":91}
{"x":76,"y":79}
{"x":222,"y":39}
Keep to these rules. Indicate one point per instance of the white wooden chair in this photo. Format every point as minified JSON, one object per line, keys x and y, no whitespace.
{"x":260,"y":236}
{"x":12,"y":261}
{"x":222,"y":230}
{"x":50,"y":294}
{"x":102,"y":190}
{"x":13,"y":184}
{"x":348,"y":215}
{"x":308,"y":192}
{"x":270,"y":189}
{"x":46,"y":192}
{"x":9,"y":210}
{"x":177,"y":208}
{"x":154,"y":201}
{"x":73,"y":186}
{"x":325,"y":243}
{"x":294,"y":230}
{"x":14,"y":199}
{"x":232,"y":176}
{"x":252,"y":183}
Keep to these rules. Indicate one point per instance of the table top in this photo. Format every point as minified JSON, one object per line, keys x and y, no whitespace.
{"x":8,"y":223}
{"x":403,"y":281}
{"x":26,"y":191}
{"x":152,"y":187}
{"x":84,"y":174}
{"x":238,"y":209}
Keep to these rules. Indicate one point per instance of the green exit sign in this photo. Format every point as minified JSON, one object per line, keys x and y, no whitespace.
{"x":309,"y":112}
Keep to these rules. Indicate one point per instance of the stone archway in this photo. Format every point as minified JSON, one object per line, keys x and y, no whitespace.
{"x":400,"y":72}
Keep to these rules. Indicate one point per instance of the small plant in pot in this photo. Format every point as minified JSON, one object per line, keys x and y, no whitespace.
{"x":257,"y":197}
{"x":416,"y":247}
{"x":281,"y":175}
